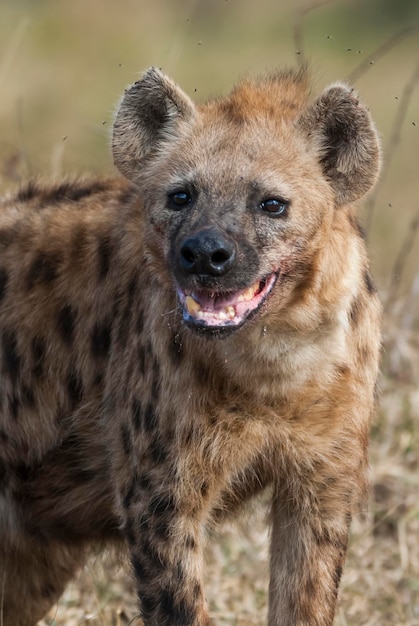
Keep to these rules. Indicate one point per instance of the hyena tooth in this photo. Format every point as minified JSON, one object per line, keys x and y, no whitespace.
{"x":231,"y":312}
{"x":248,"y":294}
{"x":192,"y":305}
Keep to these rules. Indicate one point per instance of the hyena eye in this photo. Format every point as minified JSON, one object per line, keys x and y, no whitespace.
{"x":179,"y":199}
{"x":275,"y":207}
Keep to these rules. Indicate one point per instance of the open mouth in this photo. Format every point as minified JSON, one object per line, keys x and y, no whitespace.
{"x":210,"y":310}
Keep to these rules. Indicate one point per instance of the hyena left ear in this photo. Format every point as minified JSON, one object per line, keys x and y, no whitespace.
{"x":151,"y":112}
{"x":348,"y":144}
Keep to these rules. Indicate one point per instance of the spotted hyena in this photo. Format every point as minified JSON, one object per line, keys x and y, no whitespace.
{"x":173,"y":343}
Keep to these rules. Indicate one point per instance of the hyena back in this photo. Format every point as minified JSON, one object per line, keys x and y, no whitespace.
{"x":173,"y":343}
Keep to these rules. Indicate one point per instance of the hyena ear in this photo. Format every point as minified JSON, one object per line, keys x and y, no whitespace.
{"x":348,"y":144}
{"x":151,"y":112}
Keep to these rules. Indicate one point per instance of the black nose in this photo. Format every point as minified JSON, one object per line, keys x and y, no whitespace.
{"x":207,"y":252}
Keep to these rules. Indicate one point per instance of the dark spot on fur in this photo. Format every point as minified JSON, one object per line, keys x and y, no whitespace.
{"x":162,"y":504}
{"x":150,"y":418}
{"x":190,"y":542}
{"x":137,"y":414}
{"x":355,"y":310}
{"x":149,"y":604}
{"x":132,"y":287}
{"x":139,"y":324}
{"x":81,"y":191}
{"x":14,"y":406}
{"x":4,"y":437}
{"x":179,"y":572}
{"x":48,"y":591}
{"x":30,"y":191}
{"x":196,"y":591}
{"x":149,"y":551}
{"x":101,"y":339}
{"x":124,"y":321}
{"x":176,"y":351}
{"x":82,"y":475}
{"x":141,"y":360}
{"x":98,"y":380}
{"x":65,"y":324}
{"x":168,"y":605}
{"x":204,"y":488}
{"x":4,"y":279}
{"x":337,"y":575}
{"x":145,"y":482}
{"x":44,"y":269}
{"x":184,"y":613}
{"x":104,"y":251}
{"x":11,"y":358}
{"x":201,"y":373}
{"x":28,"y":396}
{"x":72,"y":191}
{"x":343,"y":370}
{"x":25,"y":472}
{"x":38,"y":356}
{"x":79,"y":243}
{"x":126,"y":440}
{"x":3,"y":473}
{"x":74,"y":388}
{"x":138,"y":567}
{"x":149,"y":351}
{"x":180,"y":612}
{"x":158,"y":451}
{"x":57,"y":194}
{"x":369,"y":283}
{"x":162,"y":526}
{"x":156,"y":369}
{"x":155,"y":389}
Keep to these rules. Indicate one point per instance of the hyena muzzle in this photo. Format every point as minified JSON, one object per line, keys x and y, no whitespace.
{"x":174,"y":343}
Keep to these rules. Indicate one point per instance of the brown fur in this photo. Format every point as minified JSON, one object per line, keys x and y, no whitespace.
{"x":119,"y":421}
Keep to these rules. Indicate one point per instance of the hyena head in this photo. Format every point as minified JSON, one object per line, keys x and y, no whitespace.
{"x":239,"y":194}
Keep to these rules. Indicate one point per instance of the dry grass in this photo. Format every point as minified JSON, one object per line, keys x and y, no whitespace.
{"x":51,"y":51}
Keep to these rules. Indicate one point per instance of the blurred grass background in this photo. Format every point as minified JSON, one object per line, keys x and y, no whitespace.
{"x":63,"y":66}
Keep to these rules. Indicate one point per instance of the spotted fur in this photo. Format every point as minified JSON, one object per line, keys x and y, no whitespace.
{"x":140,"y":400}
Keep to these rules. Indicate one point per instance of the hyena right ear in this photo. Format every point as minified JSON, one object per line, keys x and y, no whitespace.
{"x":347,"y":142}
{"x":151,"y":112}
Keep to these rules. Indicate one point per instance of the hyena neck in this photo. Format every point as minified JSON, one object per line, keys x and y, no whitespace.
{"x":306,"y":340}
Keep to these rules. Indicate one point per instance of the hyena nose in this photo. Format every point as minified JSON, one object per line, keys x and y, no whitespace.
{"x":208,"y":252}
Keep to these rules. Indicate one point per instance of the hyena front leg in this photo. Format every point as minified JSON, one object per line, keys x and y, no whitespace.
{"x":308,"y":548}
{"x":164,"y":535}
